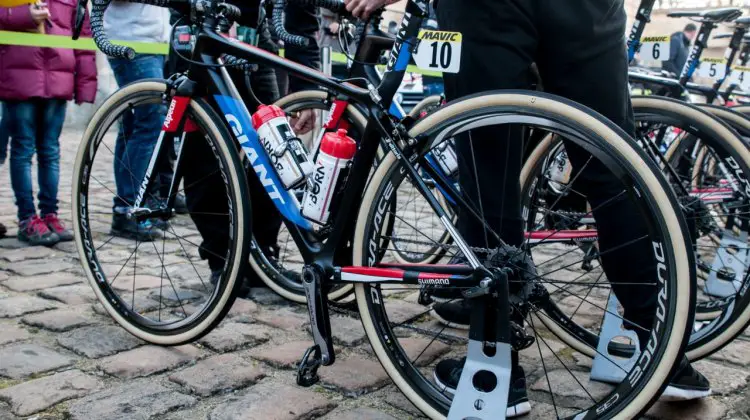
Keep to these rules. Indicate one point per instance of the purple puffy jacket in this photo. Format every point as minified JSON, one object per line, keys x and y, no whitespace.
{"x":28,"y":72}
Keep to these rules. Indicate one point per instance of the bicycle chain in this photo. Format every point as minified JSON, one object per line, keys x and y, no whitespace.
{"x":443,"y":246}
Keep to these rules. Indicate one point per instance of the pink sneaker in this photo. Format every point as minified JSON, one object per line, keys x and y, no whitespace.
{"x":34,"y":231}
{"x":56,"y":225}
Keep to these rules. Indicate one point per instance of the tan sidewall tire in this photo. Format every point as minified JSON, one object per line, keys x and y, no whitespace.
{"x":652,"y":102}
{"x":731,"y":117}
{"x":737,"y":144}
{"x":100,"y":116}
{"x":662,"y":200}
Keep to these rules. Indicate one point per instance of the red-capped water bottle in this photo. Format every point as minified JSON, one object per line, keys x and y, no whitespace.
{"x":285,"y":150}
{"x":336,"y":151}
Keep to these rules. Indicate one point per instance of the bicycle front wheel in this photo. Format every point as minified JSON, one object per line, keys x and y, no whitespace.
{"x":707,"y":163}
{"x":153,"y":276}
{"x":410,"y":346}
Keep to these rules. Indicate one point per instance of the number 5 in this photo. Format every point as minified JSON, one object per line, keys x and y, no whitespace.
{"x":712,"y":70}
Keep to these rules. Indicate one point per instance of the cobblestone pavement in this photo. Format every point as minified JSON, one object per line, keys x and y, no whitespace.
{"x":61,"y":357}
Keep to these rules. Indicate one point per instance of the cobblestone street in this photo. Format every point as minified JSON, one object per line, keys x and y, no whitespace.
{"x":62,"y":357}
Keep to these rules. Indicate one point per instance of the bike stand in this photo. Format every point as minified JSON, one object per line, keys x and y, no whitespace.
{"x":482,"y":391}
{"x":727,"y":270}
{"x":472,"y":403}
{"x":606,"y":367}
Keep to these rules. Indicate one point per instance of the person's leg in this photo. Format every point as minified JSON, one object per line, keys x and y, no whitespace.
{"x":595,"y":74}
{"x":135,"y":144}
{"x":23,"y":124}
{"x":4,"y":133}
{"x":23,"y":134}
{"x":266,"y":218}
{"x":499,"y":40}
{"x":205,"y":195}
{"x":51,"y":116}
{"x":503,"y":31}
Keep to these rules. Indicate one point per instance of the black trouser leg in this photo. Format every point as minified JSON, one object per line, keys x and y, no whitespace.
{"x":581,"y":55}
{"x":594,"y":74}
{"x":206,"y":198}
{"x":496,"y":54}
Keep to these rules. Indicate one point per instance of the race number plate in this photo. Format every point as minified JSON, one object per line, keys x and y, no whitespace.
{"x":741,"y":77}
{"x":439,"y":51}
{"x":655,"y":48}
{"x":713,"y":68}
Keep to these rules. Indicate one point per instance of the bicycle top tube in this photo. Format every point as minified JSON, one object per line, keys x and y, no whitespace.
{"x":213,"y":44}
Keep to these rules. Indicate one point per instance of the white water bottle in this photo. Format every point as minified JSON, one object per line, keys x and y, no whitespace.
{"x":285,"y":150}
{"x":336,"y":151}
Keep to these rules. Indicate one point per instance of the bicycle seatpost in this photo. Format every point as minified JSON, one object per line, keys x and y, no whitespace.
{"x":701,"y":42}
{"x":642,"y":17}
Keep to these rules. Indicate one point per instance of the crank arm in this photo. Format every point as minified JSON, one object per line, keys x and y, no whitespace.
{"x":320,"y":322}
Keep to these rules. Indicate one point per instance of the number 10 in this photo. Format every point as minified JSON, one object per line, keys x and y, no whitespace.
{"x":445,"y":54}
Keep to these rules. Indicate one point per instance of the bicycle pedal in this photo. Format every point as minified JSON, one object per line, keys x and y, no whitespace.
{"x":519,"y":339}
{"x":476,"y":292}
{"x":307,"y":370}
{"x":424,"y":297}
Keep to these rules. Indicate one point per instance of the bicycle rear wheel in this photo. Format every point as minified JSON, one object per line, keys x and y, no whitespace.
{"x":158,"y":288}
{"x":408,"y":344}
{"x":716,"y":201}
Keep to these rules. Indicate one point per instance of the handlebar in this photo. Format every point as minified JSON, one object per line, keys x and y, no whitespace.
{"x":198,"y":7}
{"x":98,"y":7}
{"x":277,"y":18}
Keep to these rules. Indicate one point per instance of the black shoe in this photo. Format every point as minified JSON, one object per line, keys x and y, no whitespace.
{"x":154,"y":204}
{"x":127,"y":228}
{"x":455,"y":314}
{"x":686,"y":384}
{"x":448,"y":372}
{"x":3,"y":230}
{"x":180,"y":204}
{"x":215,"y":276}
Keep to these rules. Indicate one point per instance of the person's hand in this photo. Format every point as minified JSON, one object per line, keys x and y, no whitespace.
{"x":303,"y":121}
{"x":39,"y":12}
{"x":363,"y":8}
{"x":334,"y":27}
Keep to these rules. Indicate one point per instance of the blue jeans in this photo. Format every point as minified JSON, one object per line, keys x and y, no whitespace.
{"x":139,"y":130}
{"x":4,"y":133}
{"x":35,"y":126}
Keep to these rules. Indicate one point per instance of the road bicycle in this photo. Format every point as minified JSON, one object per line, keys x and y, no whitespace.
{"x":681,"y":86}
{"x":563,"y":221}
{"x":167,"y":306}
